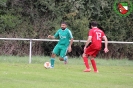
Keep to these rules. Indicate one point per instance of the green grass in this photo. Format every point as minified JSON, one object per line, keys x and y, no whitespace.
{"x":15,"y":72}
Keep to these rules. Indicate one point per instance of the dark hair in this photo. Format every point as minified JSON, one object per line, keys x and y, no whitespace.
{"x":64,"y":23}
{"x":94,"y":24}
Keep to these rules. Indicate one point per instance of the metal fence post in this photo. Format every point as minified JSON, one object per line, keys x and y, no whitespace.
{"x":30,"y":51}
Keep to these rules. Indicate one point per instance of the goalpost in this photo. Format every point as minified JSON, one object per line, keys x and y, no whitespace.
{"x":47,"y":40}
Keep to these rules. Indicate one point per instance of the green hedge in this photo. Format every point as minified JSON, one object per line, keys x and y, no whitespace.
{"x":38,"y":18}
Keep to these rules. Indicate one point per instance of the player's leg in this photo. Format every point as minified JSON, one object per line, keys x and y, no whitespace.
{"x":63,"y":56}
{"x":54,"y":53}
{"x":85,"y":59}
{"x":64,"y":51}
{"x":52,"y":60}
{"x":65,"y":59}
{"x":93,"y":62}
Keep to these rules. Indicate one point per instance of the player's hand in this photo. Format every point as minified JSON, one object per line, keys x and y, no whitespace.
{"x":69,"y":49}
{"x":49,"y":36}
{"x":106,"y":50}
{"x":84,"y":48}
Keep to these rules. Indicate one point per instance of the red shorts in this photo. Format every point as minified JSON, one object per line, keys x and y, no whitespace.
{"x":91,"y":52}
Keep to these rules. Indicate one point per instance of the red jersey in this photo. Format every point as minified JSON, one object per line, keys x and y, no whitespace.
{"x":97,"y":36}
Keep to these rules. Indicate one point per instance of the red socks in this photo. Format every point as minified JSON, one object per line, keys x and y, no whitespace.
{"x":86,"y":62}
{"x":94,"y":64}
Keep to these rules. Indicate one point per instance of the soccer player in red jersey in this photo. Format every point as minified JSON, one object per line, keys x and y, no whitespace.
{"x":95,"y":36}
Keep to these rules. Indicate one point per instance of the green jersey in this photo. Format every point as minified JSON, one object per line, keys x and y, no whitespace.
{"x":64,"y":36}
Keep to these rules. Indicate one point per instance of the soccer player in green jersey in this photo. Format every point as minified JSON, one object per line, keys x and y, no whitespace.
{"x":64,"y":45}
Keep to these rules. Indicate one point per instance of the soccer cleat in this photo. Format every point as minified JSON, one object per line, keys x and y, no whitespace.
{"x":65,"y":60}
{"x":87,"y":70}
{"x":96,"y":71}
{"x":51,"y":67}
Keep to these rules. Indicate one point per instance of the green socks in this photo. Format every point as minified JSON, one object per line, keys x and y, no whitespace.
{"x":52,"y":62}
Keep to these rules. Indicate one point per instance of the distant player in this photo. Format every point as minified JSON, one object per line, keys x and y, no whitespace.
{"x":64,"y":45}
{"x":95,"y":36}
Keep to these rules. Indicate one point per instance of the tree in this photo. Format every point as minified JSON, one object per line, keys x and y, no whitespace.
{"x":38,"y":18}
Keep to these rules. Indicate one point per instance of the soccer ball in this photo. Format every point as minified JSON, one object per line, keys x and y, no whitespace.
{"x":47,"y":65}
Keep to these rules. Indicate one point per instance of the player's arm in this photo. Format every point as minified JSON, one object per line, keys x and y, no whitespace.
{"x":55,"y":36}
{"x":106,"y":44}
{"x":69,"y":47}
{"x":71,"y":41}
{"x":88,"y":41}
{"x":51,"y":37}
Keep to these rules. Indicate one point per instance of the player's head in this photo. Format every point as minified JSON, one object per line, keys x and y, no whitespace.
{"x":63,"y":25}
{"x":93,"y":24}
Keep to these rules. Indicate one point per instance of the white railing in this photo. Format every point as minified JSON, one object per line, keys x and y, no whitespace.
{"x":30,"y":40}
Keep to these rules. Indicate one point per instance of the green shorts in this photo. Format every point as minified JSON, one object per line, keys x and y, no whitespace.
{"x":60,"y":50}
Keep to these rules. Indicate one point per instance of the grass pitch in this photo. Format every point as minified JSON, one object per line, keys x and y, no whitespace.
{"x":15,"y":72}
